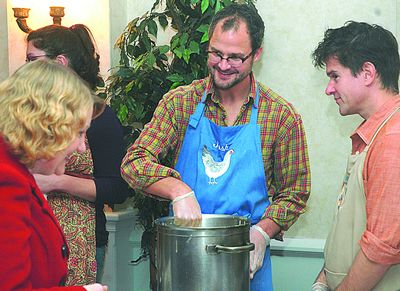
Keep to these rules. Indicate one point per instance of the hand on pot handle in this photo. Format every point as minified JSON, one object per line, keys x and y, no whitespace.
{"x":261,"y":240}
{"x":95,"y":287}
{"x":187,"y":210}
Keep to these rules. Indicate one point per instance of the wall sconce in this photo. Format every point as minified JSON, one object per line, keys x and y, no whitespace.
{"x":21,"y":14}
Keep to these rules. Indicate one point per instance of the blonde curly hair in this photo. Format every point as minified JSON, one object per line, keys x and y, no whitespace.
{"x":43,"y":106}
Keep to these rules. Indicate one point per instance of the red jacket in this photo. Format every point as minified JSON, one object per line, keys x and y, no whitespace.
{"x":33,"y":249}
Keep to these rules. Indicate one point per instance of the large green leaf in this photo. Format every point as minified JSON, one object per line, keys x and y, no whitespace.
{"x":218,"y":6}
{"x":162,"y":19}
{"x":194,"y":47}
{"x":163,"y":49}
{"x":179,"y":51}
{"x":204,"y":5}
{"x":183,"y":39}
{"x":186,"y":55}
{"x":152,"y":27}
{"x":203,"y":28}
{"x":204,"y":37}
{"x":151,"y":59}
{"x":175,"y":78}
{"x":122,"y":112}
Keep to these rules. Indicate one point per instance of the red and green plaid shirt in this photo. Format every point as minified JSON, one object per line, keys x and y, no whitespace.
{"x":283,"y":141}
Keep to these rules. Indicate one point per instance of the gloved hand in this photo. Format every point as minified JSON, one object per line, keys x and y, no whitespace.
{"x":260,"y":239}
{"x":95,"y":287}
{"x":319,"y":286}
{"x":187,"y":210}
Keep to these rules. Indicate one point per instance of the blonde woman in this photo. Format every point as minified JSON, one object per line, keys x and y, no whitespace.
{"x":45,"y":110}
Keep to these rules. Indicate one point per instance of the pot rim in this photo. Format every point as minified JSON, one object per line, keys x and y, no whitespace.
{"x":237,"y":222}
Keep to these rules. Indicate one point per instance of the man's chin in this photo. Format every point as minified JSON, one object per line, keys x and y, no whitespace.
{"x":224,"y":84}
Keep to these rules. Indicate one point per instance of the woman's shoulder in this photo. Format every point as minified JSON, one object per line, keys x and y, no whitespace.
{"x":15,"y":179}
{"x":11,"y":169}
{"x":107,"y":121}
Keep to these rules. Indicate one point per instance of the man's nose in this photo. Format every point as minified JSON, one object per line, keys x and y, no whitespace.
{"x":224,"y":65}
{"x":330,"y":89}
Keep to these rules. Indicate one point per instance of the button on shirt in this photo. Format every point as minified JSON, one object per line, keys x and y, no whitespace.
{"x":381,"y":174}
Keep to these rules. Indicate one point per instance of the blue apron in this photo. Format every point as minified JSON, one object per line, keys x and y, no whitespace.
{"x":224,"y":167}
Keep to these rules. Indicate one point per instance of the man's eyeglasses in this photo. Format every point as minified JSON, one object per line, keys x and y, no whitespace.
{"x":32,"y":58}
{"x":234,"y":61}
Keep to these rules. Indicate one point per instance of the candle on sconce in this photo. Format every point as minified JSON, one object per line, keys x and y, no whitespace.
{"x":21,"y":12}
{"x":57,"y":10}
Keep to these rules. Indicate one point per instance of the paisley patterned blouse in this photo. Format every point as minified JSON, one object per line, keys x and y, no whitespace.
{"x":77,"y":219}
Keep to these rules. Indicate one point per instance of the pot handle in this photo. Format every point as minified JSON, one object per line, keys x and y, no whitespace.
{"x":216,"y":249}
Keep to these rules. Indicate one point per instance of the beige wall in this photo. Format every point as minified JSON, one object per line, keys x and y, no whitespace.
{"x":293,"y":28}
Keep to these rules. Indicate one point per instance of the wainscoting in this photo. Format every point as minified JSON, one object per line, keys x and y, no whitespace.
{"x":296,"y":263}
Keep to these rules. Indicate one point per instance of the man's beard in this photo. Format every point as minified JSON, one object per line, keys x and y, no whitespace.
{"x":224,"y":85}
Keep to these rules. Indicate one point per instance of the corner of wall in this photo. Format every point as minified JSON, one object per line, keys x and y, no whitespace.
{"x":4,"y":67}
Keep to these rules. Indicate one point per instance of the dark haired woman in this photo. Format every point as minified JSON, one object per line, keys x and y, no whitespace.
{"x":92,"y":178}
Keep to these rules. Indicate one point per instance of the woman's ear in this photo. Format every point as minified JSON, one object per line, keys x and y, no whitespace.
{"x":62,"y":60}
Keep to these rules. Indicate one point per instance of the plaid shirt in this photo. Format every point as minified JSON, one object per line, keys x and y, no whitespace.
{"x":283,"y":141}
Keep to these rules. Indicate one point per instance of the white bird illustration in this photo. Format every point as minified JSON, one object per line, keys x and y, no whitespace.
{"x":215,"y":169}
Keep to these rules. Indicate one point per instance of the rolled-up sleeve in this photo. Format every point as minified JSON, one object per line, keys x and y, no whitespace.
{"x":381,"y":240}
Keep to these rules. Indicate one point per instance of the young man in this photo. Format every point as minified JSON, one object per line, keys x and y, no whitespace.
{"x":362,"y":251}
{"x":231,"y":139}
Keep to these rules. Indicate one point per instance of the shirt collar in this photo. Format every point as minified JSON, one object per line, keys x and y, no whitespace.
{"x":367,"y":129}
{"x":211,"y":95}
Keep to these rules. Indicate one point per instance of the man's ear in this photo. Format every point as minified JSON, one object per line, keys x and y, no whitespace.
{"x":62,"y":60}
{"x":257,"y":54}
{"x":368,"y":73}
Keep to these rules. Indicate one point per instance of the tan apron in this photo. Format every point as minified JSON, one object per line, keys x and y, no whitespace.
{"x":350,"y":223}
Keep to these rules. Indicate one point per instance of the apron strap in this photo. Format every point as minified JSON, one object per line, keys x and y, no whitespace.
{"x":195,"y":118}
{"x":380,"y":127}
{"x":254,"y":110}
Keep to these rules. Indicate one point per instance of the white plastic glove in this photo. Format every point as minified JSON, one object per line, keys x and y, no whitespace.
{"x":95,"y":287}
{"x":187,"y":210}
{"x":319,"y":286}
{"x":260,"y":239}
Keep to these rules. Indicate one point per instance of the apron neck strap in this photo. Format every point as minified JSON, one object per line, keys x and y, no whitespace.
{"x":382,"y":125}
{"x":195,"y":118}
{"x":254,"y":110}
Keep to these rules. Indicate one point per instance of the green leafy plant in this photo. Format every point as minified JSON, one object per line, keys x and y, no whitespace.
{"x":148,"y":69}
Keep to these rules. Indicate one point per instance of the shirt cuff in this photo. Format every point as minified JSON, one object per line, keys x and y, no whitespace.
{"x":379,"y":251}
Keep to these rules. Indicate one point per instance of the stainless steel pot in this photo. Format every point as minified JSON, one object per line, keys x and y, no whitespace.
{"x":212,"y":256}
